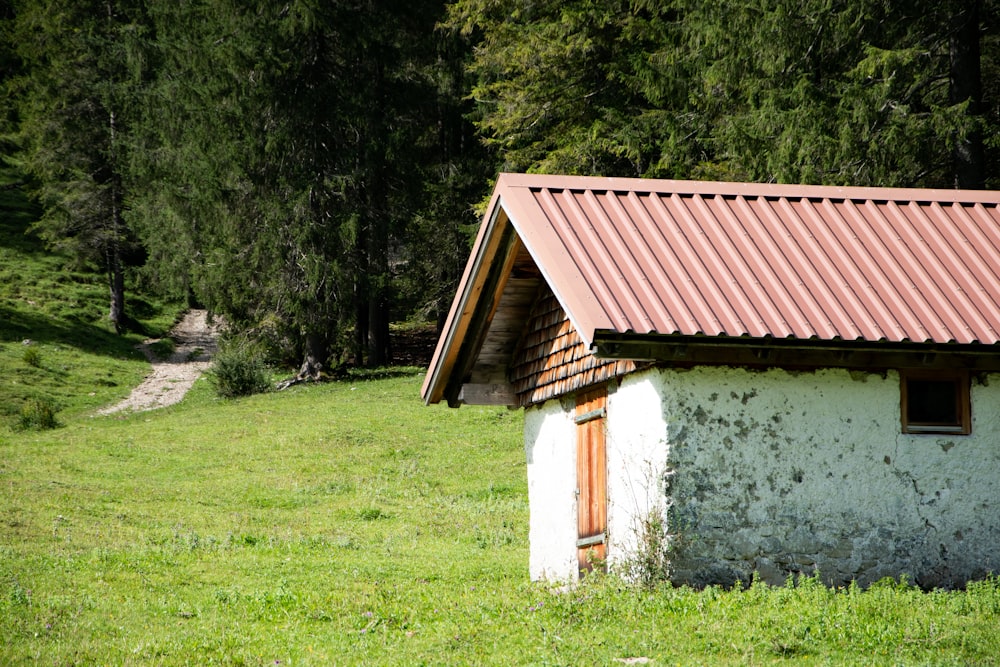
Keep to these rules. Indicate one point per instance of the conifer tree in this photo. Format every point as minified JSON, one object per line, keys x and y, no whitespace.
{"x":582,"y":87}
{"x":75,"y":98}
{"x":816,"y":91}
{"x":291,"y":145}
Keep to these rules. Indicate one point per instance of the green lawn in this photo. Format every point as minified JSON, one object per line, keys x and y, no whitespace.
{"x":331,"y":523}
{"x":345,"y":524}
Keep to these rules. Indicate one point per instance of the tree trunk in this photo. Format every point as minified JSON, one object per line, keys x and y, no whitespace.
{"x":317,"y":349}
{"x":379,"y":353}
{"x":116,"y":282}
{"x":377,"y":278}
{"x":360,"y":300}
{"x":965,"y":85}
{"x":373,"y":315}
{"x":116,"y":273}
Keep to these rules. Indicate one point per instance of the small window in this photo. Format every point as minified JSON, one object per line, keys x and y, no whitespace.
{"x":935,"y":403}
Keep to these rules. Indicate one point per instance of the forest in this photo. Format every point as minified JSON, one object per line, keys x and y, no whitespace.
{"x":312,"y":170}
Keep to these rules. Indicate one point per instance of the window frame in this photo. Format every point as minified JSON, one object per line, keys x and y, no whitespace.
{"x":963,"y":403}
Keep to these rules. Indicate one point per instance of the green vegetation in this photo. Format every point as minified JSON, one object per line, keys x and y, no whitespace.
{"x":346,"y":523}
{"x":238,"y":370}
{"x":314,"y":163}
{"x":308,"y":170}
{"x":32,"y":356}
{"x":38,"y":414}
{"x":341,"y":523}
{"x":57,"y":348}
{"x":842,"y":93}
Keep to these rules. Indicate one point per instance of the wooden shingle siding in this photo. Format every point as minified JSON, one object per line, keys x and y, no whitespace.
{"x":552,"y":359}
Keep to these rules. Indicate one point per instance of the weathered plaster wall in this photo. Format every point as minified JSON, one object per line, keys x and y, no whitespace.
{"x":784,"y":472}
{"x":550,"y":446}
{"x":776,"y":472}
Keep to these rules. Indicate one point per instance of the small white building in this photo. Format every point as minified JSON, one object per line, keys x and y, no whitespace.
{"x":721,"y":379}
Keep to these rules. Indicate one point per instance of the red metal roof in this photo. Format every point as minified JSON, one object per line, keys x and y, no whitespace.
{"x":751,"y":260}
{"x":726,"y":259}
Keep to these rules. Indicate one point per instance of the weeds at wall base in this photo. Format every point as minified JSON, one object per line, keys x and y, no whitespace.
{"x":650,"y":565}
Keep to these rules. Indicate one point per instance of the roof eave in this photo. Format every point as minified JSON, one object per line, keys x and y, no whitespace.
{"x":570,"y":287}
{"x":463,"y":306}
{"x":734,"y":189}
{"x":768,"y":351}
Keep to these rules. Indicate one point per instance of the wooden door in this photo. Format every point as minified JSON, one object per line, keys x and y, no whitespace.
{"x":591,"y":479}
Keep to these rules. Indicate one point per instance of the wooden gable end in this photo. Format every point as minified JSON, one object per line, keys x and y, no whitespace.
{"x":551,"y":358}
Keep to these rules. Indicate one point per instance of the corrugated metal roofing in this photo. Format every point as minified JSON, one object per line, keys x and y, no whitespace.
{"x":801,"y":262}
{"x":810,"y":263}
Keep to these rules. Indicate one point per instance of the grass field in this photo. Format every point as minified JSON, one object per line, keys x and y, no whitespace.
{"x":320,"y":523}
{"x":342,"y":523}
{"x":348,"y":524}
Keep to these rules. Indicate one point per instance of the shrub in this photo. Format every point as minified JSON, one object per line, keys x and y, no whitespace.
{"x":39,"y":414}
{"x":238,"y":371}
{"x":32,"y":357}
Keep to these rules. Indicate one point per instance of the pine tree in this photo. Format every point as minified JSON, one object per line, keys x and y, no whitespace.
{"x":290,"y":145}
{"x":816,"y":91}
{"x":82,"y":66}
{"x":455,"y":169}
{"x":830,"y":91}
{"x":582,"y":86}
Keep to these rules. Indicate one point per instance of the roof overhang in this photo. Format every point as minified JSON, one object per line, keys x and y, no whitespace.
{"x":686,"y":272}
{"x":765,"y":352}
{"x":472,"y":308}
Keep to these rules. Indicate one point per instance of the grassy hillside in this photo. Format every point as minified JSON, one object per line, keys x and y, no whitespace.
{"x":55,"y":342}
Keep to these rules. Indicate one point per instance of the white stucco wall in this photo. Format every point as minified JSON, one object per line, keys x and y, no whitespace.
{"x":636,"y":440}
{"x":777,"y":472}
{"x":785,"y":472}
{"x":550,"y":446}
{"x":635,"y":463}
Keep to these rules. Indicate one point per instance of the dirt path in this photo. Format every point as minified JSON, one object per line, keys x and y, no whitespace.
{"x":196,"y":342}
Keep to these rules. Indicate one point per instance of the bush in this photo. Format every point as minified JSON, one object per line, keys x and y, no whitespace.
{"x":32,"y":357}
{"x":38,"y":414}
{"x":238,"y":371}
